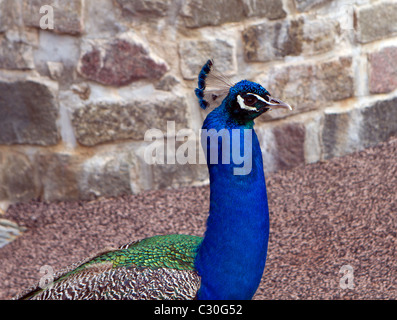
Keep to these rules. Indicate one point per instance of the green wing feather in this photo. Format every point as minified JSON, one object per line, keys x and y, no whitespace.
{"x":168,"y":256}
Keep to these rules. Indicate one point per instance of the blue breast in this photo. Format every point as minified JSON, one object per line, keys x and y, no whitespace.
{"x":232,"y":256}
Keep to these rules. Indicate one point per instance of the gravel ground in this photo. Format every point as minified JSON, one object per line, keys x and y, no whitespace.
{"x":323,"y":216}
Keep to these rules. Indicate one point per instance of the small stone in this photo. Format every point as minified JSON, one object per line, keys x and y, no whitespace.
{"x":55,"y":69}
{"x":194,"y":53}
{"x":28,"y":112}
{"x":383,"y":70}
{"x":83,"y":90}
{"x":120,"y":61}
{"x":167,"y":83}
{"x":375,"y":22}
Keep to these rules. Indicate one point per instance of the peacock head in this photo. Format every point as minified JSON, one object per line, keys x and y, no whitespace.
{"x":244,"y":101}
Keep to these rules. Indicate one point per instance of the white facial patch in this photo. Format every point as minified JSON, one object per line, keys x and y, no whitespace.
{"x":244,"y":106}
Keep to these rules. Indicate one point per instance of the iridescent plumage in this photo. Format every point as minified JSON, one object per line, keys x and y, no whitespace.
{"x":228,"y":262}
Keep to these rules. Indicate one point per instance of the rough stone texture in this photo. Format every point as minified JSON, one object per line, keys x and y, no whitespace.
{"x":270,"y":9}
{"x":167,"y":175}
{"x":59,"y":173}
{"x":290,"y":145}
{"x":152,"y":8}
{"x":119,"y":61}
{"x":17,"y":177}
{"x":308,"y":86}
{"x":305,"y":5}
{"x":16,"y":51}
{"x":379,"y":122}
{"x":283,"y":147}
{"x":106,"y":122}
{"x":275,"y":40}
{"x":197,"y":13}
{"x":384,"y":13}
{"x":272,"y":40}
{"x":109,"y":173}
{"x":349,"y":131}
{"x":68,"y":15}
{"x":194,"y":53}
{"x":383,"y":70}
{"x":8,"y":13}
{"x":336,"y":138}
{"x":28,"y":113}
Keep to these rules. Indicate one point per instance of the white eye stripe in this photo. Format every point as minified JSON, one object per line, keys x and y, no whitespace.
{"x":258,"y":97}
{"x":244,"y":106}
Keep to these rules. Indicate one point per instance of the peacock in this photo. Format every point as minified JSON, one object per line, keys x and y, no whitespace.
{"x":229,"y":260}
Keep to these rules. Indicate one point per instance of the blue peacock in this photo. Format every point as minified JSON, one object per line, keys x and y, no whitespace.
{"x":228,"y":261}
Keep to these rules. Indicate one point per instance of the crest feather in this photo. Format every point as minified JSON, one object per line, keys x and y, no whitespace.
{"x":213,"y":86}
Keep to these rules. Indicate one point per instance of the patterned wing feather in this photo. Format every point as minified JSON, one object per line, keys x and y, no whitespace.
{"x":160,"y":267}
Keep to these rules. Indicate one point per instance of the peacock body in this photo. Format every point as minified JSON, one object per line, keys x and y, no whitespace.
{"x":228,"y":262}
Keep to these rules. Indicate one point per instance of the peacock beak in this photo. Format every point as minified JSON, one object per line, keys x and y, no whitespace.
{"x":277,"y":103}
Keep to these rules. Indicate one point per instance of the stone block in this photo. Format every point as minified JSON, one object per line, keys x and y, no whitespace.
{"x":151,"y":8}
{"x":59,"y":173}
{"x":198,"y":13}
{"x":119,"y":61}
{"x":308,"y":86}
{"x":290,"y":142}
{"x":272,"y":40}
{"x":172,"y":173}
{"x":383,"y":70}
{"x":8,"y":12}
{"x":305,"y":5}
{"x":376,"y":21}
{"x":28,"y":112}
{"x":16,"y":50}
{"x":283,"y":145}
{"x":194,"y":53}
{"x":340,"y":133}
{"x":109,"y":173}
{"x":348,"y":131}
{"x":17,"y":177}
{"x":275,"y":40}
{"x":67,"y":15}
{"x":270,"y":9}
{"x":106,"y":122}
{"x":379,"y":122}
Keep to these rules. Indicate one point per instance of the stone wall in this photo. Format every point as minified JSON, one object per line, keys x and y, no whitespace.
{"x":81,"y":81}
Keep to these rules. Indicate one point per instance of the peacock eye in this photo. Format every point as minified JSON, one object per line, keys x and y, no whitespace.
{"x":250,"y":100}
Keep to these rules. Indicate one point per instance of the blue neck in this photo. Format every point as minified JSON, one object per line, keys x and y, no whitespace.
{"x":232,"y":256}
